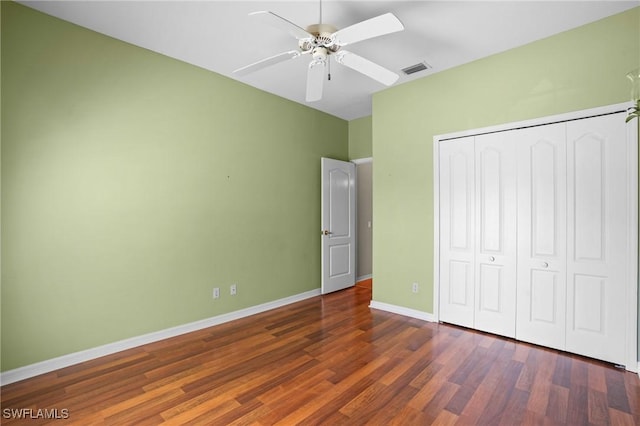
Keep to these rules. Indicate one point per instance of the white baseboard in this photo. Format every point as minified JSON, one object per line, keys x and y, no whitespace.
{"x":42,"y":367}
{"x":401,"y":310}
{"x":363,"y":277}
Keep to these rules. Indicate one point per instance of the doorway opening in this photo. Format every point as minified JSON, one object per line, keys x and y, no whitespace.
{"x":364,"y":222}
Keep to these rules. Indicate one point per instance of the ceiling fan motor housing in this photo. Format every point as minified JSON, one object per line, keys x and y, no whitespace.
{"x":322,"y":34}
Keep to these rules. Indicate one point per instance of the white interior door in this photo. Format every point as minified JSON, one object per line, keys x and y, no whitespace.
{"x":338,"y":225}
{"x":495,"y":216}
{"x":597,"y":237}
{"x":542,"y":234}
{"x":457,"y":231}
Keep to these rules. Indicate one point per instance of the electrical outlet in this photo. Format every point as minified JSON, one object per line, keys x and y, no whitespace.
{"x":415,"y":288}
{"x":216,"y":293}
{"x":233,"y":289}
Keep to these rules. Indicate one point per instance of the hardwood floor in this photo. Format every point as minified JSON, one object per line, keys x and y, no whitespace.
{"x":332,"y":360}
{"x":366,"y":283}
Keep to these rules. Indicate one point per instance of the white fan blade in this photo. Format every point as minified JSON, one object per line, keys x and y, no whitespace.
{"x":281,"y":57}
{"x":271,"y":19}
{"x":366,"y":67}
{"x":315,"y":79}
{"x":374,"y":27}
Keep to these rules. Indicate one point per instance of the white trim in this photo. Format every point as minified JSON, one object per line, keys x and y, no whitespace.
{"x":362,"y":160}
{"x":436,"y":230}
{"x":632,"y":273}
{"x":363,"y":277}
{"x":573,"y":115}
{"x":46,"y":366}
{"x":632,"y":246}
{"x":401,"y":310}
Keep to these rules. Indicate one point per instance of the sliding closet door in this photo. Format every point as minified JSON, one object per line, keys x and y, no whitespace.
{"x":542,"y":236}
{"x":495,"y":266}
{"x":597,"y":235}
{"x":457,"y":204}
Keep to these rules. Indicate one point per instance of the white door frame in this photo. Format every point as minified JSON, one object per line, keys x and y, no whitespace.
{"x":632,"y":260}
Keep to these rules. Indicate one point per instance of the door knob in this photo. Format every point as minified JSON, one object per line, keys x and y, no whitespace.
{"x":492,"y":258}
{"x":326,"y":232}
{"x":545,"y":265}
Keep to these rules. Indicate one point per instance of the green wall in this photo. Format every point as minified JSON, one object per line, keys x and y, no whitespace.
{"x":574,"y":70}
{"x":132,"y":184}
{"x":360,"y":138}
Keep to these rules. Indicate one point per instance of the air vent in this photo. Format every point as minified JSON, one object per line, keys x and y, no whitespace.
{"x":416,"y":68}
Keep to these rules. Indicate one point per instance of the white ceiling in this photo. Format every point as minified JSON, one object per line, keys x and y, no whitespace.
{"x":218,"y":36}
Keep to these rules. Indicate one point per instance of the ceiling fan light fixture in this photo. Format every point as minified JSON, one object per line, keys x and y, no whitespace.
{"x":319,"y":54}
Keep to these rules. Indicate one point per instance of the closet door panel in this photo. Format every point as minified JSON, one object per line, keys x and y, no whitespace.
{"x":496,"y":233}
{"x":597,"y":237}
{"x":457,"y":230}
{"x":541,"y":305}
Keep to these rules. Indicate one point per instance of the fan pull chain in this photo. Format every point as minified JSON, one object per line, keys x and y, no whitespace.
{"x":329,"y":68}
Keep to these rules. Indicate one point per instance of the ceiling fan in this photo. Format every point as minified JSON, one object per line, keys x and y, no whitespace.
{"x":322,"y":41}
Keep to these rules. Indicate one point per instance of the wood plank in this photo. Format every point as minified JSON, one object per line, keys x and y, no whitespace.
{"x":578,"y":399}
{"x":595,"y":378}
{"x":541,"y":387}
{"x":598,"y":412}
{"x":436,"y":405}
{"x":482,"y":398}
{"x":562,"y":372}
{"x":515,"y":408}
{"x":501,"y":394}
{"x":618,"y":418}
{"x":616,"y":390}
{"x":558,"y":401}
{"x":459,"y":400}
